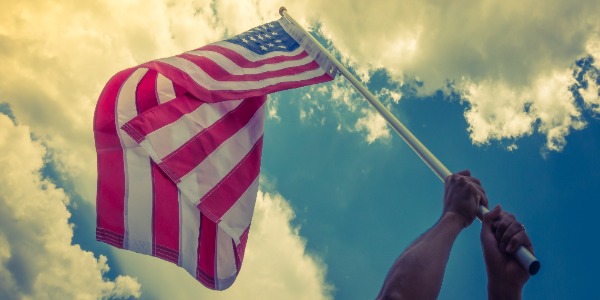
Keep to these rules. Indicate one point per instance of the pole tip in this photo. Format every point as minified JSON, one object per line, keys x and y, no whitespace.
{"x":281,"y":10}
{"x":534,"y":267}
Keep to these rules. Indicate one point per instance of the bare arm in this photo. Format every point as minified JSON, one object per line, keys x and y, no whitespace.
{"x":419,"y":270}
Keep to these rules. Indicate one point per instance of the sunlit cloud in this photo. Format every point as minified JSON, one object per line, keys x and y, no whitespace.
{"x":507,"y":47}
{"x":374,"y":125}
{"x":37,"y":257}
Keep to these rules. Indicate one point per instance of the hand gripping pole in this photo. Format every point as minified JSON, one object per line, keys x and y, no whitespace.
{"x":525,"y":258}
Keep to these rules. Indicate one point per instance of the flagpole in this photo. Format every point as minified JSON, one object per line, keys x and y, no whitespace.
{"x":527,"y":260}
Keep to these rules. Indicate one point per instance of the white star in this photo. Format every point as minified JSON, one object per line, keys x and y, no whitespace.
{"x":245,"y":40}
{"x":252,"y":38}
{"x":278,"y":41}
{"x":263,"y":47}
{"x":271,"y":45}
{"x":267,"y":35}
{"x":271,"y":25}
{"x":273,"y":33}
{"x":281,"y":46}
{"x":260,"y":37}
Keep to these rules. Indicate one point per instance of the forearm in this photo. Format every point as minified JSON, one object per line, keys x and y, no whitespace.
{"x":419,"y":270}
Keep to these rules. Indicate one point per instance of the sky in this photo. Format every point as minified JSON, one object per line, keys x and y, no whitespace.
{"x":507,"y":89}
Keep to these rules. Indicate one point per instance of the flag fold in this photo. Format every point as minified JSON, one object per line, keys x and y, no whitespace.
{"x":179,"y":143}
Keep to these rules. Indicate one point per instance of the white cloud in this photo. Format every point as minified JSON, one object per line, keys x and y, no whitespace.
{"x":555,"y":108}
{"x":37,"y":259}
{"x":510,"y":47}
{"x":272,"y":104}
{"x":436,"y":41}
{"x":593,"y":48}
{"x":374,"y":125}
{"x":498,"y":112}
{"x":276,"y":264}
{"x":386,"y":93}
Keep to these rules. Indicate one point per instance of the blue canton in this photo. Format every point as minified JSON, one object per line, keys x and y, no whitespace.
{"x":266,"y":38}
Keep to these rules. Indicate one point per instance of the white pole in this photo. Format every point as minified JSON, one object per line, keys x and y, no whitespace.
{"x":527,"y":260}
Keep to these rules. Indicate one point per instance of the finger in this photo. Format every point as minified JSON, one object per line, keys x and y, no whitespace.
{"x":478,"y":187}
{"x":502,"y":224}
{"x":465,"y":173}
{"x":483,"y":197}
{"x":484,"y":200}
{"x":514,"y":228}
{"x":489,"y":245}
{"x":489,"y":217}
{"x":521,"y":238}
{"x":476,"y":183}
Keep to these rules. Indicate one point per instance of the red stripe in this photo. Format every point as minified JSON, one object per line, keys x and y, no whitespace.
{"x":109,"y":237}
{"x":159,"y":116}
{"x":145,"y":94}
{"x":145,"y":98}
{"x":220,"y":199}
{"x":179,"y":90}
{"x":217,"y":72}
{"x":240,"y":249}
{"x":167,"y":254}
{"x":111,"y":169}
{"x":207,"y":250}
{"x":166,"y":210}
{"x":165,"y":207}
{"x":183,"y":160}
{"x":241,"y":61}
{"x":206,"y":95}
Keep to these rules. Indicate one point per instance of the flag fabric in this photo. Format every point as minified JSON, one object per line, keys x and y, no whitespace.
{"x":179,"y":143}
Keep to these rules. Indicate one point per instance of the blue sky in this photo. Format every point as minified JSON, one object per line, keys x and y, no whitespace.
{"x":509,"y":94}
{"x":359,"y":205}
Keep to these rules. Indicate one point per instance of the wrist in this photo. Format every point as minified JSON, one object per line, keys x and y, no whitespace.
{"x":455,"y":219}
{"x":503,"y":292}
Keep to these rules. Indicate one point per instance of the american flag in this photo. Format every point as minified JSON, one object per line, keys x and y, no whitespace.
{"x":179,"y":144}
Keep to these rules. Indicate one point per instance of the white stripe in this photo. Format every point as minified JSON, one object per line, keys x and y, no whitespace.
{"x":138,"y":196}
{"x":169,"y":138}
{"x":232,"y":68}
{"x":238,"y":217}
{"x":220,"y":162}
{"x":189,"y":215}
{"x":225,"y":261}
{"x":165,"y":92}
{"x":253,"y":56}
{"x":189,"y":231}
{"x":126,"y":108}
{"x":204,"y":80}
{"x":164,"y":89}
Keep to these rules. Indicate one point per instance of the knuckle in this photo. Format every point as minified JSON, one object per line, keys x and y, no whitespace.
{"x":514,"y":242}
{"x":503,"y":224}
